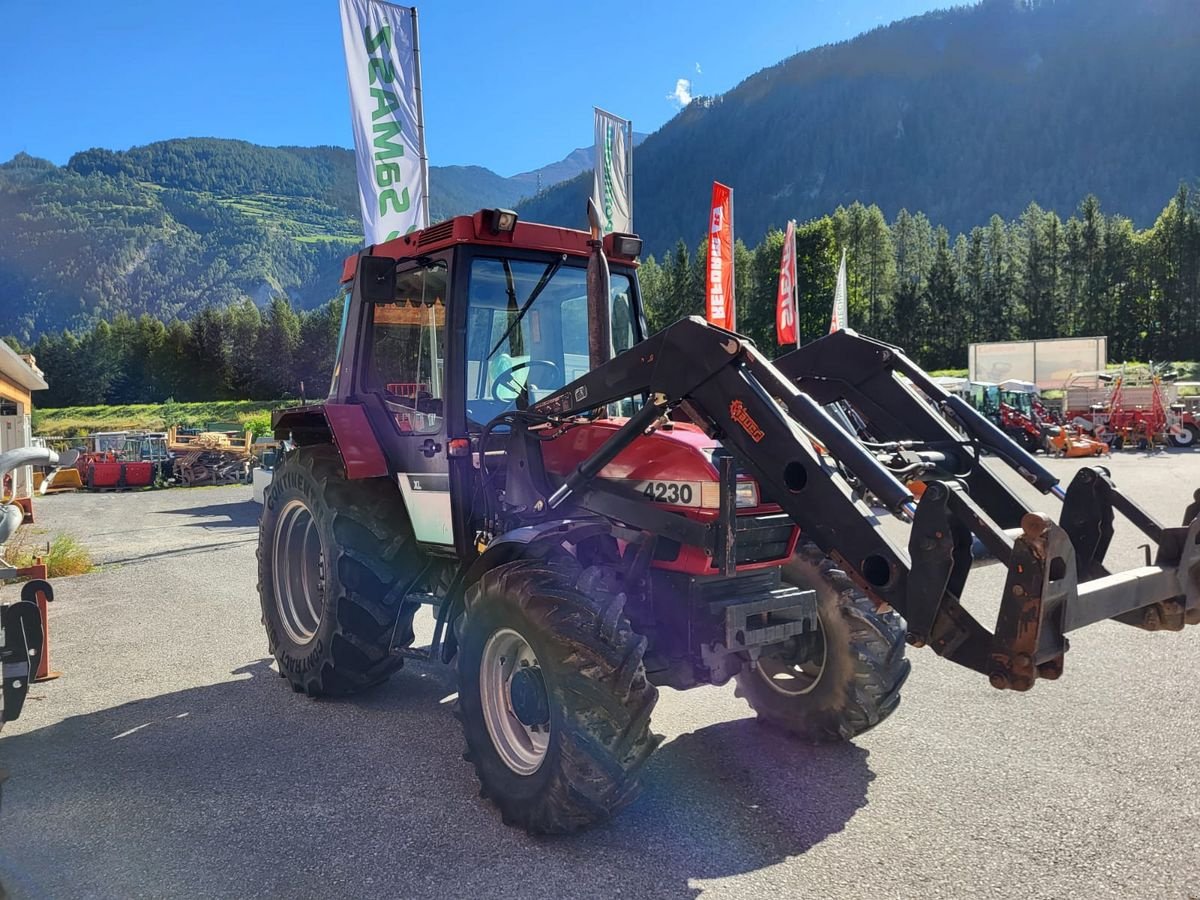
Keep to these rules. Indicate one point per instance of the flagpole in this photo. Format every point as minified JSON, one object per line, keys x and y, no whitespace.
{"x":795,"y":283}
{"x":629,"y":171}
{"x":420,"y":116}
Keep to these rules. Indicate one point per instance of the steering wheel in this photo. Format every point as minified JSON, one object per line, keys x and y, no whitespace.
{"x":506,"y":380}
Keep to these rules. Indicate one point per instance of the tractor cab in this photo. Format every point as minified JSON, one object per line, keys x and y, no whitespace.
{"x":445,"y":332}
{"x":1020,"y":395}
{"x":985,"y":397}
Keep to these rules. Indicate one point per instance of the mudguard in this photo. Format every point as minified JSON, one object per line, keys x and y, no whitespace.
{"x":344,"y":425}
{"x":525,"y":542}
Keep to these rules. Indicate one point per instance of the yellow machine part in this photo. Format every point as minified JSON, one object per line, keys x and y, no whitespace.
{"x":60,"y":480}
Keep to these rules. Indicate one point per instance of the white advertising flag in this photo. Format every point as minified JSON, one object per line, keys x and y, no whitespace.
{"x":839,"y":322}
{"x":383,"y":70}
{"x":612,"y":185}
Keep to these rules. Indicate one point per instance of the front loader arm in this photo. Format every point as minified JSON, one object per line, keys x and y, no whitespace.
{"x":770,"y":416}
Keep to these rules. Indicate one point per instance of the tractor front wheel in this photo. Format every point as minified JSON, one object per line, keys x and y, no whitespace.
{"x":553,"y":696}
{"x":335,"y":560}
{"x":848,"y":678}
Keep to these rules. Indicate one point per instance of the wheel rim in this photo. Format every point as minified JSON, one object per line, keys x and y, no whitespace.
{"x":521,"y":746}
{"x":298,"y":572}
{"x":1185,"y":438}
{"x":792,"y":678}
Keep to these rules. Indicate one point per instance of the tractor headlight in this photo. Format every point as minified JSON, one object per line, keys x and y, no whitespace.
{"x":502,"y":220}
{"x":746,"y":494}
{"x":626,"y":245}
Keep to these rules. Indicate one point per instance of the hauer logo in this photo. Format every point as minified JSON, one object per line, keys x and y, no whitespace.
{"x":739,"y":414}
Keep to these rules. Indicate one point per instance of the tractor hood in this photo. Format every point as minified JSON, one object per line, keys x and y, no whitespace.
{"x":673,"y":465}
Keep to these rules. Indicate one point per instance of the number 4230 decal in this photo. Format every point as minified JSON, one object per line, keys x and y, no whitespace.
{"x":676,"y":493}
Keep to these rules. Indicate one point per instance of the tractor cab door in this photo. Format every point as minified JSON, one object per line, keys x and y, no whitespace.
{"x":401,"y":382}
{"x":525,"y":326}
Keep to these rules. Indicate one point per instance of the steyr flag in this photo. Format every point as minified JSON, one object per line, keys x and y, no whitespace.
{"x":840,"y":318}
{"x":612,"y":184}
{"x":719,"y":305}
{"x":785,"y":304}
{"x":383,"y":70}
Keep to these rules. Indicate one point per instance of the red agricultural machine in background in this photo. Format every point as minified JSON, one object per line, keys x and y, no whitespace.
{"x":502,"y":444}
{"x":1135,"y":408}
{"x":1028,"y":420}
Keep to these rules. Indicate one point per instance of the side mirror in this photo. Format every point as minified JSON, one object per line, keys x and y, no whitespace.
{"x":376,"y":279}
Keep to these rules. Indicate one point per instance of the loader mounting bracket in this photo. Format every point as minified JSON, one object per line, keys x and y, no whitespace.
{"x":20,"y":649}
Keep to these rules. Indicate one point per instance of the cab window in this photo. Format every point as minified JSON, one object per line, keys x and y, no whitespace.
{"x":527,"y":331}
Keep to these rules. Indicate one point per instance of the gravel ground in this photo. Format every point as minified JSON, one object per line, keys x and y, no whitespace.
{"x":171,"y":761}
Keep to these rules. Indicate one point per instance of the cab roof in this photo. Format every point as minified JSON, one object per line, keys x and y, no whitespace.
{"x":476,"y":229}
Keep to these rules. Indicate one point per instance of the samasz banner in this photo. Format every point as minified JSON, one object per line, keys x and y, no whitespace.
{"x":384,"y":76}
{"x":719,"y":301}
{"x":610,"y":183}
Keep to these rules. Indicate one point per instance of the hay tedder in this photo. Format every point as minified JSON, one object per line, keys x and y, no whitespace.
{"x":1135,"y":408}
{"x":593,"y":511}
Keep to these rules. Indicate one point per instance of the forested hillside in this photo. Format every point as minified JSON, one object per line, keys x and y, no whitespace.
{"x":173,"y":227}
{"x":910,"y":282}
{"x":960,"y":113}
{"x":913,"y":283}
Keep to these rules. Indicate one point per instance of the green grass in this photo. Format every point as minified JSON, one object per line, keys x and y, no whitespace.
{"x":77,"y":421}
{"x":63,"y":557}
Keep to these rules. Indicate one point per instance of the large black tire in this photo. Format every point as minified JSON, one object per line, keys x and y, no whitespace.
{"x":858,"y":684}
{"x":598,"y":699}
{"x":357,"y":549}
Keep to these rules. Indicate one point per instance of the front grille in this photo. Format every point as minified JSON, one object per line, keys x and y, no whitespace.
{"x":762,"y":538}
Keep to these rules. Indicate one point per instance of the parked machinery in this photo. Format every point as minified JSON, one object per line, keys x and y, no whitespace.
{"x":1023,"y":412}
{"x":210,"y":457}
{"x":103,"y":463}
{"x":1133,"y":408}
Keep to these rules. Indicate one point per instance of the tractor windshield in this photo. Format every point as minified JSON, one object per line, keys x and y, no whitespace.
{"x":527,"y":330}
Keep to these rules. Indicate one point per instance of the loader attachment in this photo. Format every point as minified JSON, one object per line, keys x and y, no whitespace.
{"x":883,"y":440}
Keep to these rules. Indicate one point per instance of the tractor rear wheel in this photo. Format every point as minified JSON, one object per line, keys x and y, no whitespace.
{"x":335,"y":561}
{"x":852,"y":682}
{"x":553,"y":696}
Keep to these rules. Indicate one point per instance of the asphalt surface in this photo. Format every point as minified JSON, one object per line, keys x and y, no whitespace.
{"x":171,"y":761}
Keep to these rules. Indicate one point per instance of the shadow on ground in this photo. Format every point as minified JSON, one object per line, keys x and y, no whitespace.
{"x":242,"y":514}
{"x":243,"y":788}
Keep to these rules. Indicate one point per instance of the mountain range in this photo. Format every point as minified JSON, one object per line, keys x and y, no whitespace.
{"x":960,"y":114}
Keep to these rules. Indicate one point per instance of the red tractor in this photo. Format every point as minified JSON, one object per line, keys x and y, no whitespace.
{"x":502,"y":443}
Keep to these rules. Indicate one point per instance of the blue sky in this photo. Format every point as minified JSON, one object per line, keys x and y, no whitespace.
{"x":508,"y":85}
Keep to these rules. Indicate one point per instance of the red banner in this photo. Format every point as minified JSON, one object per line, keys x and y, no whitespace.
{"x":785,"y":302}
{"x":718,"y":307}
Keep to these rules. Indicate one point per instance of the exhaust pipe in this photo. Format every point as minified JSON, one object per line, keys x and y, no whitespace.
{"x":598,"y":294}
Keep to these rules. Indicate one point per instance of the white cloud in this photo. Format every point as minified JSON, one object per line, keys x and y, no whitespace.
{"x":682,"y":93}
{"x":699,"y":71}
